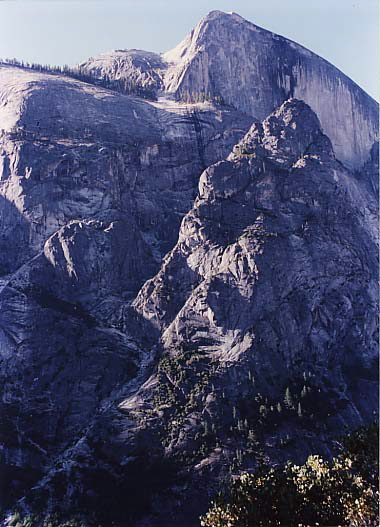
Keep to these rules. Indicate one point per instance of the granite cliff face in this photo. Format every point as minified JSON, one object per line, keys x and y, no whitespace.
{"x":230,"y":60}
{"x":94,"y":186}
{"x":187,"y":285}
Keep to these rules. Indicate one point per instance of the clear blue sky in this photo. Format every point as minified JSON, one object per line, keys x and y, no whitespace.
{"x":345,"y":32}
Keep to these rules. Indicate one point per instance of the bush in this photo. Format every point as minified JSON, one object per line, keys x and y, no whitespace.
{"x":343,"y":492}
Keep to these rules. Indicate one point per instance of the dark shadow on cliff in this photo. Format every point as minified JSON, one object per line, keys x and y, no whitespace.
{"x":14,"y":238}
{"x":14,"y":251}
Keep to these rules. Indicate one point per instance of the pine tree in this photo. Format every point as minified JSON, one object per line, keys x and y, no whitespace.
{"x":288,"y":399}
{"x":263,"y":410}
{"x":251,"y":436}
{"x":206,"y":430}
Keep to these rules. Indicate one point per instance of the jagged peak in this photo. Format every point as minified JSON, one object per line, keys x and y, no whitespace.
{"x":290,"y":113}
{"x":294,"y":109}
{"x":285,"y":135}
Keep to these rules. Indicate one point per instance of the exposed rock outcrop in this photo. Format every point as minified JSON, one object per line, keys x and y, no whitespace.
{"x":264,"y":316}
{"x":138,"y":68}
{"x":188,"y":285}
{"x":93,"y":188}
{"x":229,"y":60}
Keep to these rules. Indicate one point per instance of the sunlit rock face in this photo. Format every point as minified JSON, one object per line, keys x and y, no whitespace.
{"x":231,"y":59}
{"x":187,"y":284}
{"x":228,"y":59}
{"x":274,"y":274}
{"x":141,"y":68}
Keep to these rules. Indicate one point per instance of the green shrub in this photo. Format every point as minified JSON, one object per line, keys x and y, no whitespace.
{"x":318,"y":493}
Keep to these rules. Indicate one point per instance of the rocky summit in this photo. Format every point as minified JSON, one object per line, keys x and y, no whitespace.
{"x":189,"y":280}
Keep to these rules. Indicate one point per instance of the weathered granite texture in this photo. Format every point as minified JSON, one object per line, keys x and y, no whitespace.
{"x":93,"y":188}
{"x":184,"y":288}
{"x":140,"y":67}
{"x":228,"y":59}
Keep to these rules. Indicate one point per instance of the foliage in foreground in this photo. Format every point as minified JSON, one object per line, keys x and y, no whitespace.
{"x":343,"y":492}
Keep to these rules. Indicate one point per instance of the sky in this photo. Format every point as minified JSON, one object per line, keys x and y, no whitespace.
{"x":345,"y":32}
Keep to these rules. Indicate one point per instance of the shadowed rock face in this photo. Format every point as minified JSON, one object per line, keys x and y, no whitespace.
{"x":271,"y":288}
{"x":93,"y":188}
{"x":275,"y":269}
{"x":182,"y":290}
{"x":71,"y":151}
